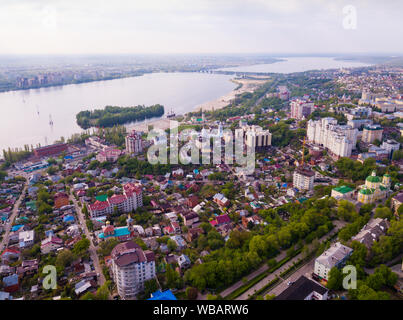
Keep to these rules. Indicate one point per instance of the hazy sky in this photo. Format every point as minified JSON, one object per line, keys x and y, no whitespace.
{"x":198,"y":26}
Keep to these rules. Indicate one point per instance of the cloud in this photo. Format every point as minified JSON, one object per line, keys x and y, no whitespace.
{"x":164,"y":26}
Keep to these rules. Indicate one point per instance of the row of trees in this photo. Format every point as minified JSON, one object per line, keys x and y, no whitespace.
{"x":245,"y":251}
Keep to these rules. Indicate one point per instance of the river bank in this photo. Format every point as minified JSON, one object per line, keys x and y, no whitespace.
{"x":243,"y":85}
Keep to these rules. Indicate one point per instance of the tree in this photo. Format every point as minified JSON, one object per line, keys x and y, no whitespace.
{"x":103,"y":292}
{"x":171,"y":276}
{"x":383,"y":213}
{"x":191,"y":293}
{"x":335,"y":281}
{"x":382,"y":276}
{"x":88,"y":296}
{"x":171,"y":245}
{"x":346,"y":211}
{"x":150,"y":286}
{"x":105,"y":247}
{"x":65,"y":258}
{"x":81,"y":247}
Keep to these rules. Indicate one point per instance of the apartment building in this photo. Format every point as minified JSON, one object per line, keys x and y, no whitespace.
{"x":390,"y":146}
{"x":372,"y":133}
{"x":303,"y":179}
{"x":340,"y":140}
{"x":131,"y":199}
{"x":133,"y":143}
{"x":255,"y":137}
{"x":301,"y":109}
{"x":131,"y":267}
{"x":335,"y":256}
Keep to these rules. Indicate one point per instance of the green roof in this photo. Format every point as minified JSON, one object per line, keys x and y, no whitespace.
{"x":103,"y":197}
{"x":343,"y":189}
{"x":374,"y":179}
{"x":366,"y":191}
{"x":383,"y":188}
{"x":31,"y":205}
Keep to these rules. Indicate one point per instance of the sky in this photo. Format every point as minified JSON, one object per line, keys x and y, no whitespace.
{"x":200,"y":26}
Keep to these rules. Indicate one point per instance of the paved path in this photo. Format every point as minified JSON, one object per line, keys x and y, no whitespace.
{"x":271,"y":276}
{"x":305,"y":270}
{"x":4,"y":241}
{"x":92,"y":249}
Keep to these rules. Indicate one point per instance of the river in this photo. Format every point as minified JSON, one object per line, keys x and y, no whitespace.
{"x":27,"y":114}
{"x":298,"y":64}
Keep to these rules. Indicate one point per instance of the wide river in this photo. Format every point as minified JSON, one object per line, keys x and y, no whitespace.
{"x":298,"y":64}
{"x":27,"y":114}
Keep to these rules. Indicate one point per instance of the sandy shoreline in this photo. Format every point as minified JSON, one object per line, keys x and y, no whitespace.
{"x":248,"y":85}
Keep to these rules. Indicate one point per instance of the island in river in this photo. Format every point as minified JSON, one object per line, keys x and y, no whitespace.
{"x":111,"y":116}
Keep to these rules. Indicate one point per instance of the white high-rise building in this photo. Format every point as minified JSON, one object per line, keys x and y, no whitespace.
{"x":133,"y":143}
{"x":131,"y":267}
{"x":303,"y":179}
{"x":340,"y":140}
{"x":255,"y":136}
{"x":301,"y":109}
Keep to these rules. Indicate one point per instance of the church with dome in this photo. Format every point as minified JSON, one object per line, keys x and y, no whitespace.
{"x":374,"y":189}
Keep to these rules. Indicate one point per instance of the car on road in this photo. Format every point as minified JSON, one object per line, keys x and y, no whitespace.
{"x":289,"y":283}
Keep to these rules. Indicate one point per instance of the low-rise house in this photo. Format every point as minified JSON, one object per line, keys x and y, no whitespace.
{"x":371,"y":232}
{"x":221,"y":200}
{"x":180,"y":242}
{"x":342,"y":192}
{"x":11,"y":283}
{"x":190,"y":218}
{"x":171,"y":259}
{"x":10,"y":254}
{"x":397,"y":201}
{"x":172,"y":216}
{"x":169,"y":230}
{"x":184,"y":261}
{"x":5,"y":296}
{"x":193,"y":234}
{"x":176,"y":227}
{"x":6,"y":270}
{"x":148,"y":232}
{"x":83,"y":286}
{"x":255,"y":219}
{"x":192,"y":201}
{"x":28,"y":267}
{"x":50,"y":244}
{"x":220,"y":220}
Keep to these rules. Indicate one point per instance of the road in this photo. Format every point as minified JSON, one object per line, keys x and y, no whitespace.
{"x":305,"y":270}
{"x":4,"y":241}
{"x":92,"y":249}
{"x":270,"y":277}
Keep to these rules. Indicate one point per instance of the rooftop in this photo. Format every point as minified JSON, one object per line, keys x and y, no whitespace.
{"x":343,"y":189}
{"x":301,"y":289}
